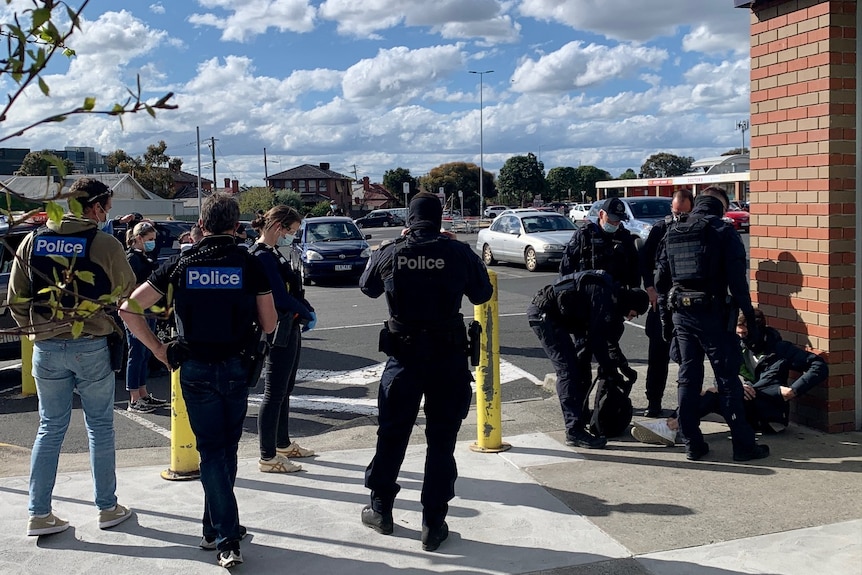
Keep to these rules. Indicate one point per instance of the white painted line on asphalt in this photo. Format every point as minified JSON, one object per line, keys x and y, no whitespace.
{"x":326,"y":403}
{"x":143,"y":422}
{"x":8,"y":390}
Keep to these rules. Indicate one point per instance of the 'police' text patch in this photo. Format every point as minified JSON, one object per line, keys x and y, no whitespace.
{"x":214,"y":278}
{"x":60,"y":246}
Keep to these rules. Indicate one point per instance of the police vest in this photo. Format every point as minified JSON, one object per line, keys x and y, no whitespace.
{"x":689,"y":254}
{"x":420,"y":292}
{"x":292,"y":283}
{"x":598,"y":252}
{"x":568,"y":294}
{"x":65,"y":259}
{"x":214,"y":309}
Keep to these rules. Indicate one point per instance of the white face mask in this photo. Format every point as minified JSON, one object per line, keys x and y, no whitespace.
{"x":103,"y":225}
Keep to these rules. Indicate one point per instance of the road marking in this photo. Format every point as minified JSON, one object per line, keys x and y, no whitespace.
{"x":143,"y":421}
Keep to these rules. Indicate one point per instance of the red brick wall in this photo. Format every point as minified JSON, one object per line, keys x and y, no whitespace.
{"x":803,"y":157}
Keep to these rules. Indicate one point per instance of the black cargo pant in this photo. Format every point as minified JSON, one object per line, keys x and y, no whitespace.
{"x":443,"y":378}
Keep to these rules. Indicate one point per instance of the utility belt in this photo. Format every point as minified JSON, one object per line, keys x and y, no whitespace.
{"x":681,"y":299}
{"x":401,"y":340}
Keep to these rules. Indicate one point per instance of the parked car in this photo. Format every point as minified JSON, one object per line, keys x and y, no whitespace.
{"x":494,"y":211}
{"x":379,"y":219}
{"x":329,"y":248}
{"x":578,"y":212}
{"x":643,"y":213}
{"x":740,"y":218}
{"x":532,"y":237}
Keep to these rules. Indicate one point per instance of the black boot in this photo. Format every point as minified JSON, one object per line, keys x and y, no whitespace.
{"x":380,"y":522}
{"x":433,"y":537}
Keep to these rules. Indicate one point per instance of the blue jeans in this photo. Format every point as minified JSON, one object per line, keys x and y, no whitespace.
{"x":59,"y":367}
{"x":137,"y":366}
{"x":216,"y":398}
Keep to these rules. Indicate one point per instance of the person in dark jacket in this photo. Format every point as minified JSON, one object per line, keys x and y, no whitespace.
{"x":141,"y":239}
{"x":772,"y":376}
{"x":591,"y":307}
{"x":295,"y":315}
{"x":425,"y":274}
{"x":659,"y":349}
{"x":702,"y":269}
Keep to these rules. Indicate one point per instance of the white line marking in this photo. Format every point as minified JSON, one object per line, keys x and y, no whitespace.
{"x":143,"y":422}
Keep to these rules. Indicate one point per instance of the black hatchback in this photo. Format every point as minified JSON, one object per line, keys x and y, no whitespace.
{"x":379,"y":219}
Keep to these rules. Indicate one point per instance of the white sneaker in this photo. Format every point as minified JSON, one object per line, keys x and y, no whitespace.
{"x":278,"y":464}
{"x":654,"y":432}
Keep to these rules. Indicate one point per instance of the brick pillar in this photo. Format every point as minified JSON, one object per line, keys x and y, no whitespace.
{"x":803,"y":155}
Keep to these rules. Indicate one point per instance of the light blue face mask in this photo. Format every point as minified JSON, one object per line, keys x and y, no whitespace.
{"x":103,"y":225}
{"x":610,"y":228}
{"x":149,"y":245}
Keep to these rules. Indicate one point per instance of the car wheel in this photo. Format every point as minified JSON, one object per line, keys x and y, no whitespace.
{"x":360,"y":225}
{"x":530,"y":260}
{"x":487,"y":256}
{"x":385,"y":224}
{"x":639,"y":243}
{"x":306,"y":281}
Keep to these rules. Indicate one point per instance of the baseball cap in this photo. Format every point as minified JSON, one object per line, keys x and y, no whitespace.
{"x":615,"y":208}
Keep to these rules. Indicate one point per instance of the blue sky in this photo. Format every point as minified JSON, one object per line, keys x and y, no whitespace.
{"x":373,"y":85}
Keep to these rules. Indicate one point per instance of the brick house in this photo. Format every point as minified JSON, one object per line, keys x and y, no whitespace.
{"x":806,"y":232}
{"x":315,"y":184}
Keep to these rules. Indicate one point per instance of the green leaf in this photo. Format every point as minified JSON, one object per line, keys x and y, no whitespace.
{"x":77,"y":329}
{"x":89,"y":103}
{"x":19,"y":299}
{"x":150,"y":110}
{"x":46,"y":290}
{"x":69,"y":53}
{"x":60,"y":260}
{"x":54,"y":211}
{"x":134,"y":306}
{"x":44,"y":87}
{"x":74,"y":206}
{"x":86,"y":277}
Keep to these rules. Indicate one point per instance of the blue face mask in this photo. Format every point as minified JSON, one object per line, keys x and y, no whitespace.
{"x":104,"y":225}
{"x":149,"y":245}
{"x":610,"y":228}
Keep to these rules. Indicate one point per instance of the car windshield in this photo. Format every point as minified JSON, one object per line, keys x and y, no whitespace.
{"x":649,"y":209}
{"x":333,"y":232}
{"x":536,"y":224}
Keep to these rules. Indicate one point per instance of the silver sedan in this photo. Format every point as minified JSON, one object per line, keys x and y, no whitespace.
{"x":534,"y":238}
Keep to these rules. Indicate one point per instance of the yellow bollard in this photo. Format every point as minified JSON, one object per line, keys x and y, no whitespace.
{"x":488,"y":403}
{"x":185,"y":460}
{"x":28,"y":382}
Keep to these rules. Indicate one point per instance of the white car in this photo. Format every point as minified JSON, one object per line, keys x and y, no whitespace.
{"x":531,"y":237}
{"x":578,"y":213}
{"x":494,"y":211}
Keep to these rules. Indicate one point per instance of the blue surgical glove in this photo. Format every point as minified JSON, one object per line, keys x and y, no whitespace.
{"x":310,"y":325}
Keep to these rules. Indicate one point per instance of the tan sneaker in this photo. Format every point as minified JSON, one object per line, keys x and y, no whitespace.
{"x":45,"y":525}
{"x":110,"y":517}
{"x":294,"y":450}
{"x":278,"y":464}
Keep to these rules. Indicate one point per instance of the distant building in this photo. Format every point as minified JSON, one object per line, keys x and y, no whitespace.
{"x":315,"y":184}
{"x":11,"y":159}
{"x":86,"y":159}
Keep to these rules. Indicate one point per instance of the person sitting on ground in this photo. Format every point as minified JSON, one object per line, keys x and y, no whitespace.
{"x":766,"y":374}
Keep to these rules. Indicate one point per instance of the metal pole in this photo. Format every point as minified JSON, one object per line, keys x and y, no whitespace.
{"x":481,"y":140}
{"x":198,"y":130}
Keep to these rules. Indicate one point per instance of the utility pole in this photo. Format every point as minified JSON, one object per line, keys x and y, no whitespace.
{"x":742,"y":126}
{"x":212,"y":147}
{"x":265,"y":174}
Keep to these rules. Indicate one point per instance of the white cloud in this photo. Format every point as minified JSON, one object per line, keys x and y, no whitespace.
{"x":643,"y":20}
{"x":576,"y":66}
{"x":397,"y":75}
{"x":253,"y":17}
{"x":485,"y":19}
{"x":157,"y":8}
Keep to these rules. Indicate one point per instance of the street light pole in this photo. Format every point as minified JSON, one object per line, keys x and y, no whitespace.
{"x":742,"y":125}
{"x":481,"y":141}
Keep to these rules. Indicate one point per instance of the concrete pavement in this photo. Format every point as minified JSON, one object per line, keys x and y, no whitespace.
{"x":541,"y":507}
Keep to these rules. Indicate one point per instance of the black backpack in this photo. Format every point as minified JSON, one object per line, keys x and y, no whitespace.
{"x":612,"y":412}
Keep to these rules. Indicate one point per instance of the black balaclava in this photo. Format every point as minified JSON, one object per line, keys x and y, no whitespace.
{"x":425,"y":213}
{"x":708,"y":205}
{"x":632,"y":299}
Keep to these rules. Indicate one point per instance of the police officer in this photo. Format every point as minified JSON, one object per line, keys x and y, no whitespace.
{"x":659,"y":348}
{"x":605,"y":245}
{"x":93,"y":267}
{"x":591,"y":307}
{"x":424,"y":275}
{"x":701,"y":261}
{"x":214,"y":274}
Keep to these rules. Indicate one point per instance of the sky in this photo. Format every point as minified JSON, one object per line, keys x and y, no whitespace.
{"x":374,"y":85}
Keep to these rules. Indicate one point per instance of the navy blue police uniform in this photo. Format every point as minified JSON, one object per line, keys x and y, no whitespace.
{"x":701,"y":262}
{"x":424,"y":275}
{"x":583,"y":305}
{"x":215,"y":286}
{"x":659,"y":347}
